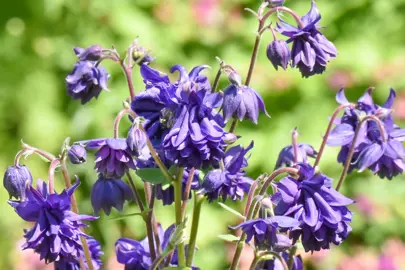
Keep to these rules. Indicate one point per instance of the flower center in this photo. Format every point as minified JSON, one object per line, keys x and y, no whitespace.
{"x":167,"y":117}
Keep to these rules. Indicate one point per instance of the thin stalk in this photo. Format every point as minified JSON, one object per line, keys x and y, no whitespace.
{"x":351,"y":151}
{"x":128,"y":75}
{"x":329,"y":129}
{"x":251,"y":194}
{"x":294,"y":140}
{"x":186,"y":193}
{"x":258,"y":258}
{"x":51,"y":175}
{"x":26,"y":148}
{"x":135,"y":192}
{"x":233,"y":125}
{"x":159,"y":260}
{"x":217,"y":77}
{"x":293,"y":249}
{"x":148,"y":221}
{"x":179,"y":217}
{"x":154,"y":223}
{"x":198,"y":201}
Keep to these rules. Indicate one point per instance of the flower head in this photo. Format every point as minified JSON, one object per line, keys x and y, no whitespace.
{"x":279,"y":54}
{"x":322,"y":211}
{"x":86,"y":81}
{"x":242,"y":102}
{"x":108,"y":192}
{"x":77,"y":154}
{"x":275,"y":263}
{"x":385,"y":158}
{"x":311,"y":51}
{"x":230,"y":182}
{"x":92,"y":53}
{"x":286,"y":156}
{"x":16,"y":181}
{"x":56,"y":231}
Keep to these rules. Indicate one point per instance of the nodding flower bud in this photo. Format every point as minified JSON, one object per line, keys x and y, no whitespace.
{"x":16,"y":180}
{"x":275,"y":3}
{"x":142,"y":56}
{"x":279,"y":54}
{"x":136,"y":139}
{"x":92,"y":53}
{"x":234,"y":78}
{"x":230,"y":138}
{"x":77,"y":154}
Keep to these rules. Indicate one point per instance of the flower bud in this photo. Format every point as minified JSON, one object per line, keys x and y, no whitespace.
{"x":230,"y":138}
{"x":275,"y":3}
{"x":92,"y":53}
{"x":279,"y":54}
{"x":77,"y":154}
{"x":136,"y":139}
{"x":15,"y":181}
{"x":141,"y":56}
{"x":235,"y":78}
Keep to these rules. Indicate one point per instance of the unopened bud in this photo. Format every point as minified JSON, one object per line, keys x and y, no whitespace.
{"x":77,"y":154}
{"x":16,"y":180}
{"x":142,"y":56}
{"x":275,"y":3}
{"x":279,"y":54}
{"x":230,"y":138}
{"x":136,"y":139}
{"x":92,"y":53}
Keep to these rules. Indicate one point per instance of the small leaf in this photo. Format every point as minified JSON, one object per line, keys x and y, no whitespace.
{"x":41,"y":156}
{"x":130,"y":215}
{"x":232,"y":210}
{"x":228,"y":238}
{"x":152,"y":175}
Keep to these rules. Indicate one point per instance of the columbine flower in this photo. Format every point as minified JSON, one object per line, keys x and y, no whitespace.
{"x":113,"y":159}
{"x":77,"y":154}
{"x":311,"y":51}
{"x":108,"y":192}
{"x":385,"y":159}
{"x":275,"y":263}
{"x":279,"y":54}
{"x":86,"y":81}
{"x":230,"y":182}
{"x":56,"y":232}
{"x":322,"y":211}
{"x":265,"y":231}
{"x":136,"y":255}
{"x":16,"y":181}
{"x":92,"y":53}
{"x":242,"y":102}
{"x":286,"y":156}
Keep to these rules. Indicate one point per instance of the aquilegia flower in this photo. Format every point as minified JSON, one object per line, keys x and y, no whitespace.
{"x":279,"y":54}
{"x":86,"y":81}
{"x":56,"y":232}
{"x":322,"y":211}
{"x":230,"y":182}
{"x":275,"y":263}
{"x":109,"y":192}
{"x":16,"y":180}
{"x":387,"y":159}
{"x":265,"y":231}
{"x":286,"y":156}
{"x":311,"y":51}
{"x":92,"y":53}
{"x":242,"y":102}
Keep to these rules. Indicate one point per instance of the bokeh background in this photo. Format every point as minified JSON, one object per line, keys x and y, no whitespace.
{"x":36,"y":54}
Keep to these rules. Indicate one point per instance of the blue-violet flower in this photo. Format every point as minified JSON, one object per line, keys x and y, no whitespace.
{"x":16,"y":180}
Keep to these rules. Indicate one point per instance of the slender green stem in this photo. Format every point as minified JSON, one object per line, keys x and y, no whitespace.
{"x":328,"y":130}
{"x":293,"y":249}
{"x":135,"y":192}
{"x":179,"y":217}
{"x":186,"y":193}
{"x":351,"y":151}
{"x":198,"y":201}
{"x":233,"y":125}
{"x":217,"y":77}
{"x":159,"y":260}
{"x":259,"y":256}
{"x":238,"y":252}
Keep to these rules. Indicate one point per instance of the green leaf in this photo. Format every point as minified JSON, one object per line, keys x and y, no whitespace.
{"x":130,"y":215}
{"x":152,"y":175}
{"x":232,"y":210}
{"x":176,"y":268}
{"x":228,"y":238}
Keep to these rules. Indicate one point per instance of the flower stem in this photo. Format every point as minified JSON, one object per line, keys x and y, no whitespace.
{"x":351,"y":151}
{"x":294,"y":139}
{"x":128,"y":75}
{"x":135,"y":192}
{"x":159,"y":260}
{"x":293,"y":249}
{"x":179,"y":217}
{"x":148,"y":221}
{"x":186,"y":194}
{"x":39,"y":152}
{"x":217,"y":77}
{"x":198,"y":201}
{"x":328,"y":130}
{"x":51,"y":175}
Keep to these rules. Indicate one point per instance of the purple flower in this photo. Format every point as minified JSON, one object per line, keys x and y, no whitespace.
{"x":86,"y":81}
{"x":230,"y":182}
{"x":278,"y":53}
{"x":265,"y":231}
{"x":108,"y":192}
{"x":77,"y":154}
{"x":92,"y":53}
{"x":16,"y":181}
{"x":136,"y":139}
{"x":114,"y":158}
{"x":242,"y":102}
{"x":311,"y":51}
{"x":385,"y":159}
{"x":322,"y":211}
{"x":286,"y":156}
{"x":275,"y":263}
{"x":56,"y":232}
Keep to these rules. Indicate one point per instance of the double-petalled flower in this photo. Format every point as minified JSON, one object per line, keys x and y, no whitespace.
{"x":322,"y":211}
{"x":311,"y":51}
{"x":383,"y":157}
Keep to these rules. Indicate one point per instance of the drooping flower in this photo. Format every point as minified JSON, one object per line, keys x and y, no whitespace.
{"x":265,"y":231}
{"x":77,"y":154}
{"x":242,"y":102}
{"x":311,"y":51}
{"x":322,"y":211}
{"x":387,"y":159}
{"x":230,"y":182}
{"x":136,"y":139}
{"x":286,"y":156}
{"x":86,"y":81}
{"x":92,"y":53}
{"x":113,"y":159}
{"x":16,"y":181}
{"x":275,"y":263}
{"x":136,"y":255}
{"x":56,"y":232}
{"x":279,"y":54}
{"x":107,"y":193}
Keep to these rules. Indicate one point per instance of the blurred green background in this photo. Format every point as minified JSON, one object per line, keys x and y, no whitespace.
{"x":36,"y":54}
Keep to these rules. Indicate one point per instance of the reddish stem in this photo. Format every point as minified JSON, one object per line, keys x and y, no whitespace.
{"x":51,"y":175}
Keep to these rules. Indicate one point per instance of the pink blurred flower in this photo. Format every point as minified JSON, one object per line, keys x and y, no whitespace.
{"x":206,"y":12}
